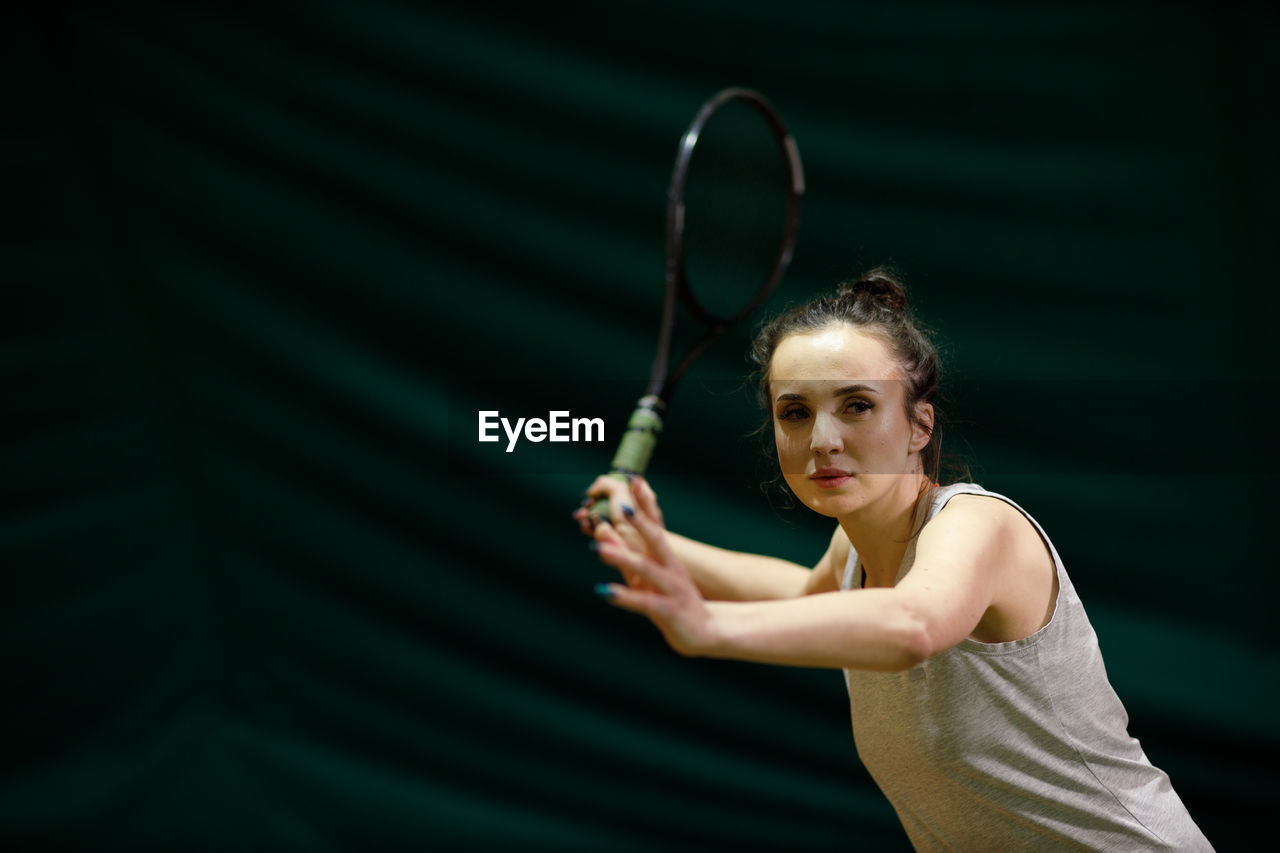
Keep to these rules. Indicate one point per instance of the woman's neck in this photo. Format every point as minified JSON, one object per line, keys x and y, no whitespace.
{"x":879,"y":531}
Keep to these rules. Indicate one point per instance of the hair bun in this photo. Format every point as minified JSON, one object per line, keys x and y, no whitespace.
{"x":880,"y":287}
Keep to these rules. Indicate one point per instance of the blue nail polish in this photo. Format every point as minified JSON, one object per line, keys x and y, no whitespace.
{"x":604,"y":590}
{"x":628,"y":511}
{"x":593,"y":545}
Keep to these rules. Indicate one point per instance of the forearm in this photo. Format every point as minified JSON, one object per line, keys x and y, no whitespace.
{"x":873,"y":629}
{"x":723,"y":575}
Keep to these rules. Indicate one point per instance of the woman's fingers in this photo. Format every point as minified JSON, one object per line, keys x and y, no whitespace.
{"x":603,"y":485}
{"x":606,"y":534}
{"x":628,"y":561}
{"x":614,"y":490}
{"x":629,"y":535}
{"x":657,"y":584}
{"x":583,"y":516}
{"x":623,"y":534}
{"x":621,"y":541}
{"x":622,"y":494}
{"x":653,"y":534}
{"x":606,"y":486}
{"x":646,"y":498}
{"x":621,"y":505}
{"x":636,"y":600}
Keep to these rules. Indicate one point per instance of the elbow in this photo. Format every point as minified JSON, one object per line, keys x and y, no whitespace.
{"x":917,"y":648}
{"x":915,"y":644}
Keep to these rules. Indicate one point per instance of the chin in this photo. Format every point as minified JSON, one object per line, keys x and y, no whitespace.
{"x":830,"y":505}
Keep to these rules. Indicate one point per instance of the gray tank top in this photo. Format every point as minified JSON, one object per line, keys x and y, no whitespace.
{"x":1012,"y":746}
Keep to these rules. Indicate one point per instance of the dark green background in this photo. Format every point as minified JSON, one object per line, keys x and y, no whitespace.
{"x":261,"y":270}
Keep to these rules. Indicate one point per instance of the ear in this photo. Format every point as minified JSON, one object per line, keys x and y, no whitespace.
{"x":921,"y":427}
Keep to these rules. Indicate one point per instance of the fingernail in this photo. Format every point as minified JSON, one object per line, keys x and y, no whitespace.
{"x":628,"y":511}
{"x":604,"y":590}
{"x":593,"y":545}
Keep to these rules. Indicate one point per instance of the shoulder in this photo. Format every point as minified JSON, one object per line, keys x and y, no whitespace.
{"x":996,"y":544}
{"x":973,"y":525}
{"x":984,"y":509}
{"x":839,"y":551}
{"x":840,"y":542}
{"x":829,"y":573}
{"x":973,"y":508}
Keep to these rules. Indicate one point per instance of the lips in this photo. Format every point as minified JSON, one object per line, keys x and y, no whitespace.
{"x":830,"y":478}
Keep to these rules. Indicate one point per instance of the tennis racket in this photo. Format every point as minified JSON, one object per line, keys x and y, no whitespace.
{"x":733,"y":208}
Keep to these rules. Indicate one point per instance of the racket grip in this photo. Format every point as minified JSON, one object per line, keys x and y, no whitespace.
{"x":635,"y":448}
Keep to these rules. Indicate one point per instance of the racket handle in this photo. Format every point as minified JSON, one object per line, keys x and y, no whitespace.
{"x":635,"y":448}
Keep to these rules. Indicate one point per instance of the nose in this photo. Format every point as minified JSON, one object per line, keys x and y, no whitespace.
{"x":825,"y":438}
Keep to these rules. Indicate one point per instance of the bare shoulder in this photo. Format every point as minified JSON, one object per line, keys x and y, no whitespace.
{"x":975,"y":521}
{"x":980,"y":504}
{"x":839,"y":551}
{"x":827,"y":574}
{"x":998,"y":540}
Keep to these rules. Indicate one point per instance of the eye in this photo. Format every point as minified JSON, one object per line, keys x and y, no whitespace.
{"x":858,"y":406}
{"x":793,"y":413}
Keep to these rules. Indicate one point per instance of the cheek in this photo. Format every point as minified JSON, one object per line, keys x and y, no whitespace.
{"x":783,"y":444}
{"x":890,"y":434}
{"x":782,"y":439}
{"x":793,"y":449}
{"x":883,"y":440}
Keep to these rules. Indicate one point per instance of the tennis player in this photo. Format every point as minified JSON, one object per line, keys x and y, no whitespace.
{"x":979,"y":699}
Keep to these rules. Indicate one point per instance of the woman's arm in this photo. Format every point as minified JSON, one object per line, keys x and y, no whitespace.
{"x":960,"y":558}
{"x":720,"y":574}
{"x":723,"y":575}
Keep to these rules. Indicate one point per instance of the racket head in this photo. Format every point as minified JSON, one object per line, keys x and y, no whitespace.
{"x":734,"y":122}
{"x":640,"y":438}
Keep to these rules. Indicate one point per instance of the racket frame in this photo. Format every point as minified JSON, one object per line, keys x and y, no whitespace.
{"x":645,"y":424}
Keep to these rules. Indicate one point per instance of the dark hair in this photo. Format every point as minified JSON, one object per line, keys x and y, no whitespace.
{"x":876,"y":302}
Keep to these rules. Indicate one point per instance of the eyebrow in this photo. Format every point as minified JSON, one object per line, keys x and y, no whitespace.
{"x":839,"y":392}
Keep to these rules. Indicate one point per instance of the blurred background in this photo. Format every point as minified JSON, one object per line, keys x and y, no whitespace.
{"x":266,"y":590}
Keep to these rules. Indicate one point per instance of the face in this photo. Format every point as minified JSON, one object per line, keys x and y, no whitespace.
{"x":844,"y":439}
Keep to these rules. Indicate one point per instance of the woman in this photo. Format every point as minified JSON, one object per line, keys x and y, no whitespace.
{"x":979,"y":699}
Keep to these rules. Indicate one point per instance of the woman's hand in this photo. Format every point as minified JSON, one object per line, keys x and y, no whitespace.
{"x":617,"y":492}
{"x":658,"y":586}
